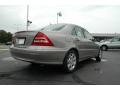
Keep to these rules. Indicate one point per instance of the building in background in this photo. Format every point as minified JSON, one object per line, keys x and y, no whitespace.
{"x":104,"y":36}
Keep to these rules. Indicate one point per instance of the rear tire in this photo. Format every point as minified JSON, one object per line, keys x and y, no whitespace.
{"x":70,"y":61}
{"x":98,"y":58}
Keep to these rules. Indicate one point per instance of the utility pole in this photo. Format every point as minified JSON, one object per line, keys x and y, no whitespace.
{"x":57,"y":18}
{"x":27,"y":17}
{"x":59,"y":14}
{"x":28,"y":21}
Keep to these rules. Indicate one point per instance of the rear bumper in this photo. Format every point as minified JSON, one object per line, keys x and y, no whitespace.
{"x":35,"y":54}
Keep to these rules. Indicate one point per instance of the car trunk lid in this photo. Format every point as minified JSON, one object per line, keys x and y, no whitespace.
{"x":23,"y":38}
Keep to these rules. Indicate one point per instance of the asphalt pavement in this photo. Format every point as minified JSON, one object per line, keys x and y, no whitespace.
{"x":89,"y":72}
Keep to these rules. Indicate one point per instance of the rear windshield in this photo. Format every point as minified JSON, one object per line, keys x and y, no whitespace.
{"x":53,"y":27}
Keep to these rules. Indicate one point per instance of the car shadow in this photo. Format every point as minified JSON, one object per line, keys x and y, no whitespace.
{"x":50,"y":73}
{"x":54,"y":69}
{"x":86,"y":63}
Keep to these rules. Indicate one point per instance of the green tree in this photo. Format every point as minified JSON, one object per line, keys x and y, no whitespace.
{"x":5,"y":36}
{"x":9,"y":36}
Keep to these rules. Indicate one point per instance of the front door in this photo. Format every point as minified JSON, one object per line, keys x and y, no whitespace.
{"x":115,"y":43}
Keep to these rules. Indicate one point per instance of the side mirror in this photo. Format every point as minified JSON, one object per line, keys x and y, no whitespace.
{"x":92,"y":39}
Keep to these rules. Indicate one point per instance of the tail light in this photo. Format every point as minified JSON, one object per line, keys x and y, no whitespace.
{"x":41,"y":40}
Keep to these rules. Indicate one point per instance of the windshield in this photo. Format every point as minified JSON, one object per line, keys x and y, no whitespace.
{"x":55,"y":27}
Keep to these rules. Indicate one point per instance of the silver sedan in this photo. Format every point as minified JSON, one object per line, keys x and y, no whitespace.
{"x":113,"y":43}
{"x":64,"y":44}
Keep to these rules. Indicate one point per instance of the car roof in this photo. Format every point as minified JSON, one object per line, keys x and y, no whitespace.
{"x":69,"y":27}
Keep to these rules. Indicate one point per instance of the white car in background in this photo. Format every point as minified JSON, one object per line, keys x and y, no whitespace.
{"x":113,"y":43}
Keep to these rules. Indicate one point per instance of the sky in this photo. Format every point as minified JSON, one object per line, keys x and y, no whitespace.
{"x":94,"y":18}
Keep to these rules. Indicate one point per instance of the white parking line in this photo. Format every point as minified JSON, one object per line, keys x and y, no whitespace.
{"x":104,"y":60}
{"x":3,"y":49}
{"x":8,"y":59}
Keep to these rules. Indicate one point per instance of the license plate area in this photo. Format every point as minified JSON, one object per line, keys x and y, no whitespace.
{"x":20,"y":41}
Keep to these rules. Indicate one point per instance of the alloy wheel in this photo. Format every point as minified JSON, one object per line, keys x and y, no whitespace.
{"x":71,"y":61}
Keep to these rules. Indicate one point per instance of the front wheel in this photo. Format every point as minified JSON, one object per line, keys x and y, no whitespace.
{"x":104,"y":48}
{"x":98,"y":58}
{"x":70,"y":61}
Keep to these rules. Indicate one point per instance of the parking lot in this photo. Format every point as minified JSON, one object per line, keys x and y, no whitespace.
{"x":89,"y":72}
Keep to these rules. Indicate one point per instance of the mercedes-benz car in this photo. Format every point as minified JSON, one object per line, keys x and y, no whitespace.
{"x":113,"y":43}
{"x":64,"y":44}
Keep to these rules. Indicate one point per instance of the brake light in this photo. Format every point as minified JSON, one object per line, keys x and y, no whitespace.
{"x":41,"y":40}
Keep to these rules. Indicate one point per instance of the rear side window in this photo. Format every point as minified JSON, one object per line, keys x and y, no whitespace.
{"x":53,"y":27}
{"x":87,"y":35}
{"x":78,"y":32}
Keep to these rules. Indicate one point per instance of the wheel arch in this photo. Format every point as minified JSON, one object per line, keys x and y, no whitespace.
{"x":104,"y":45}
{"x":76,"y":50}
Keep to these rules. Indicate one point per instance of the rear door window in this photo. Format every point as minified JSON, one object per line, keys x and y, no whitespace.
{"x":78,"y":32}
{"x":87,"y":35}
